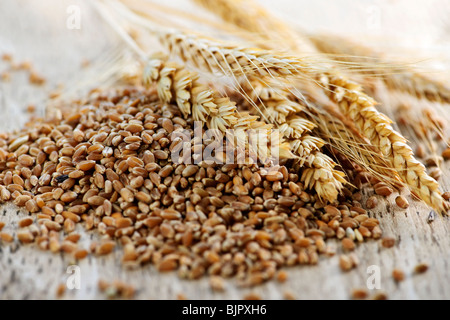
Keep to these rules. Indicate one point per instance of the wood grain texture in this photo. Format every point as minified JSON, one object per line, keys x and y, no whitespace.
{"x":41,"y":36}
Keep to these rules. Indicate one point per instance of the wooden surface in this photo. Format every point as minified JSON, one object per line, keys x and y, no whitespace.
{"x":39,"y":34}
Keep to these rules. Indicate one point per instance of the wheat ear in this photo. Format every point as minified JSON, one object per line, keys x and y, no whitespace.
{"x":251,"y":17}
{"x":377,"y":128}
{"x":318,"y":170}
{"x":220,"y":58}
{"x":181,"y":86}
{"x":350,"y":143}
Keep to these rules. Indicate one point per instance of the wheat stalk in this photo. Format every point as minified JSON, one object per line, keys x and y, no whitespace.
{"x":377,"y":128}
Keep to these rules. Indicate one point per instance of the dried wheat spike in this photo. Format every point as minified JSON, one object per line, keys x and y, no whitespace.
{"x":318,"y":170}
{"x":181,"y":86}
{"x":219,"y":58}
{"x":349,"y":142}
{"x":319,"y":174}
{"x":177,"y":84}
{"x":404,"y":79}
{"x":377,"y":128}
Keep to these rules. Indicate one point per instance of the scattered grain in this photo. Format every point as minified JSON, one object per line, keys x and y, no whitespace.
{"x":115,"y":175}
{"x":60,"y":290}
{"x":446,"y":154}
{"x":371,"y":202}
{"x":348,"y":244}
{"x":282,"y":276}
{"x":346,"y":263}
{"x":25,"y":236}
{"x":380,"y":296}
{"x":252,"y":296}
{"x":6,"y":237}
{"x":288,"y":295}
{"x":25,"y":222}
{"x":105,"y":248}
{"x":388,"y":242}
{"x":421,"y":268}
{"x":359,"y":294}
{"x":402,"y":202}
{"x":217,"y":283}
{"x":384,"y":191}
{"x":398,"y":275}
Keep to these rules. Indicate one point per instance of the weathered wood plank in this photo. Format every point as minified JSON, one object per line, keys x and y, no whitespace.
{"x":28,"y":273}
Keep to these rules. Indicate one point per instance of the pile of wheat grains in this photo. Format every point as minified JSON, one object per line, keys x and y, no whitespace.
{"x":105,"y":164}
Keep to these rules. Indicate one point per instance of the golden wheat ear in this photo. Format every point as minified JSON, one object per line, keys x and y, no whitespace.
{"x":176,"y":84}
{"x":377,"y":128}
{"x":276,"y":106}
